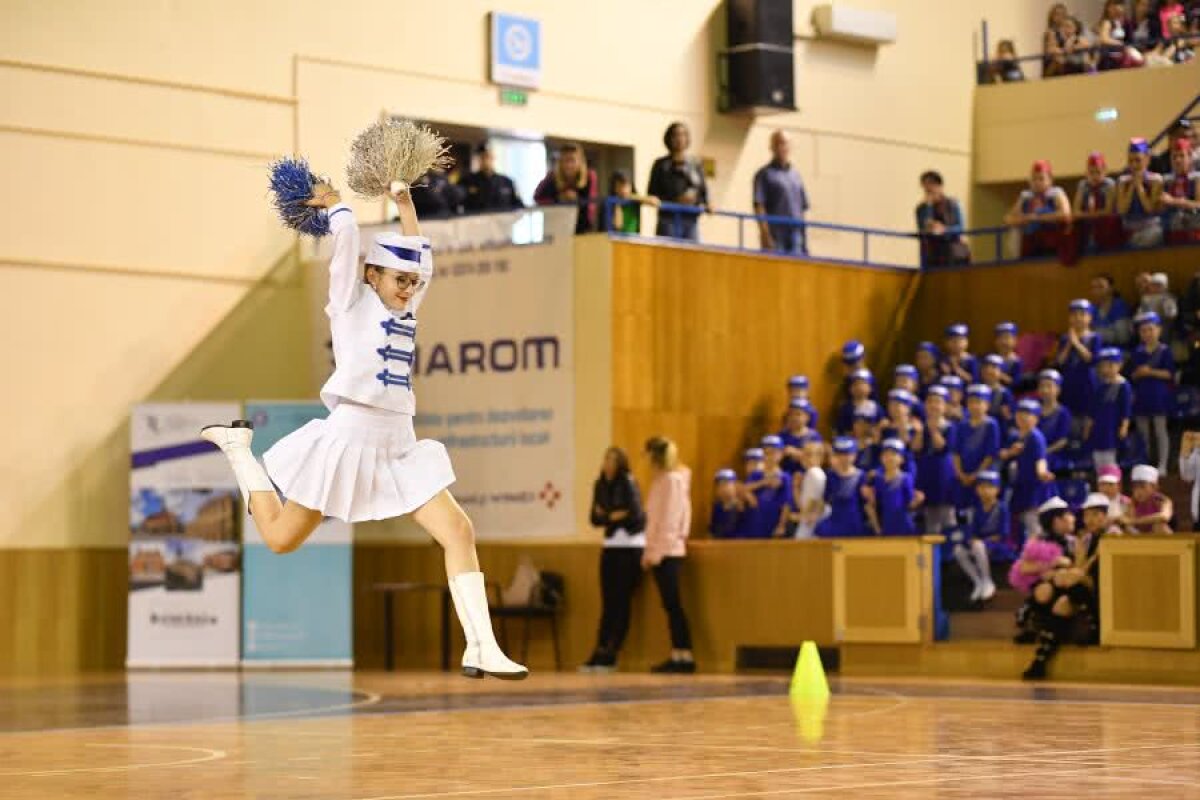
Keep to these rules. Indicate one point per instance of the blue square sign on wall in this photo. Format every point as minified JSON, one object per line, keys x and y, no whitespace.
{"x":516,"y":50}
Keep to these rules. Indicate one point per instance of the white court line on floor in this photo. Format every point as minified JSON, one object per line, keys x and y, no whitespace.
{"x":651,"y":779}
{"x":209,"y":755}
{"x":369,"y":699}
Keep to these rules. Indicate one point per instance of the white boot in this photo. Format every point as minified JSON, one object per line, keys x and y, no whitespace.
{"x":234,"y":441}
{"x":988,"y":588}
{"x":483,"y":655}
{"x":963,"y":557}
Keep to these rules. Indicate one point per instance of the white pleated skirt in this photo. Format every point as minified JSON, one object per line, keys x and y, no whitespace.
{"x":358,"y":464}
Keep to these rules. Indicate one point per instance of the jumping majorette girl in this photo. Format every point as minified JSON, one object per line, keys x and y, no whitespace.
{"x":364,"y":461}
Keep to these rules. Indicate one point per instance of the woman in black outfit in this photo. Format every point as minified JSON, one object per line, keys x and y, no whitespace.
{"x":616,"y":507}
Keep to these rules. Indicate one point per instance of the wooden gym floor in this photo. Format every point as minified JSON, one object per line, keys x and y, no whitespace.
{"x":430,"y":736}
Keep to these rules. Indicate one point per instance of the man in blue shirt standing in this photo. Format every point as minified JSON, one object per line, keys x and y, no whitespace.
{"x":779,"y":192}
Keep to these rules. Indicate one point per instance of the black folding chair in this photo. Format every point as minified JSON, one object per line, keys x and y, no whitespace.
{"x":545,"y":601}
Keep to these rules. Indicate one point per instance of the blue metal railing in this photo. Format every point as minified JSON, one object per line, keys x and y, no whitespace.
{"x":987,"y":246}
{"x":676,"y":224}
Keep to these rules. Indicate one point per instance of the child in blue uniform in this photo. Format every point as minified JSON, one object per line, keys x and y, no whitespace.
{"x":843,"y":493}
{"x":798,"y":390}
{"x":976,"y":445}
{"x":752,"y":471}
{"x":989,"y":523}
{"x":935,"y":464}
{"x":926,"y":361}
{"x":890,"y":494}
{"x":907,"y":377}
{"x":1152,"y":369}
{"x":862,"y":385}
{"x":866,"y":441}
{"x":1029,"y":474}
{"x":991,"y":375}
{"x":957,"y":360}
{"x":1107,"y":422}
{"x":797,"y":433}
{"x":955,"y":390}
{"x":903,"y":424}
{"x":1076,"y":351}
{"x":728,"y":511}
{"x":772,"y":488}
{"x":1006,"y":348}
{"x":1055,"y":422}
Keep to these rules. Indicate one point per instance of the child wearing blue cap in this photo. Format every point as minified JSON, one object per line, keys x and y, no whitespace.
{"x":843,"y":493}
{"x":1055,"y":422}
{"x":798,"y":387}
{"x":1138,"y":194}
{"x":771,"y":487}
{"x":866,"y":439}
{"x":976,"y":445}
{"x":989,"y":522}
{"x":890,"y":493}
{"x":957,"y":360}
{"x":1152,"y":369}
{"x":926,"y":361}
{"x":1006,"y":347}
{"x":1107,"y":422}
{"x":862,"y":385}
{"x":1030,"y":476}
{"x":991,"y":375}
{"x":796,"y":433}
{"x":728,"y":510}
{"x":955,"y":391}
{"x":902,"y":424}
{"x":1077,"y":350}
{"x":935,"y":464}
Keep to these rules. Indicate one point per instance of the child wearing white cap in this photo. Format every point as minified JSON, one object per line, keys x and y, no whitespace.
{"x":1157,"y":299}
{"x":1120,"y":507}
{"x":1152,"y":510}
{"x":364,"y":461}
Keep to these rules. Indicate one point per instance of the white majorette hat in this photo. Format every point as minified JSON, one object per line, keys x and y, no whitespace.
{"x":1095,"y":500}
{"x":393,"y":251}
{"x":1053,"y":504}
{"x":1144,"y":473}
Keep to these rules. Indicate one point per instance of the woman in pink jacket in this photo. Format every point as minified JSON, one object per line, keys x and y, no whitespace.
{"x":668,"y":521}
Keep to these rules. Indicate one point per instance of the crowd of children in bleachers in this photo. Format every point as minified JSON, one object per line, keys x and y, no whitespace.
{"x":968,"y":447}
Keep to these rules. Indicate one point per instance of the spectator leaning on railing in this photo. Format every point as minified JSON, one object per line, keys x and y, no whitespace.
{"x":779,"y":192}
{"x":940,"y":223}
{"x":1054,"y":42}
{"x":626,"y":205}
{"x":1005,"y":66}
{"x":678,"y":178}
{"x":1138,"y":194}
{"x":571,"y":181}
{"x":1040,"y":212}
{"x":1114,"y":35}
{"x":1182,"y":129}
{"x":1095,"y":199}
{"x":1181,"y":195}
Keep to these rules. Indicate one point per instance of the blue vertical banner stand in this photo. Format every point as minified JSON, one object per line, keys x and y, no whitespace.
{"x":296,"y":608}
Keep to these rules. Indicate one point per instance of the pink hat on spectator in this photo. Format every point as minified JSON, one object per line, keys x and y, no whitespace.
{"x":1041,"y":165}
{"x":1109,"y":473}
{"x":1182,"y":144}
{"x":1096,"y":159}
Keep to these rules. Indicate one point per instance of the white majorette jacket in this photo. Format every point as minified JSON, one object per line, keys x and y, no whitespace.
{"x":372,"y":345}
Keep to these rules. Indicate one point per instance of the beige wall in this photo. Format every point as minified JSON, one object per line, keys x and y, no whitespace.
{"x":1017,"y":123}
{"x":134,"y":134}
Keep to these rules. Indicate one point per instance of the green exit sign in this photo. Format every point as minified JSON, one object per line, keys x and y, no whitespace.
{"x":513,"y":97}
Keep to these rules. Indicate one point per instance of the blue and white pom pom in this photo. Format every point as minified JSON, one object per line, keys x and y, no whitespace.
{"x":292,"y":185}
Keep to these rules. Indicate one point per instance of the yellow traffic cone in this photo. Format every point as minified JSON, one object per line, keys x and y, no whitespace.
{"x":809,"y":714}
{"x":808,"y":680}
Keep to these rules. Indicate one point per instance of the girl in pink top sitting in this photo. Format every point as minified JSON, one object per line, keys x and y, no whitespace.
{"x":668,"y":522}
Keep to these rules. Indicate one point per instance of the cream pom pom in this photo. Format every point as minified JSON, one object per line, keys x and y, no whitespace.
{"x":390,"y":152}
